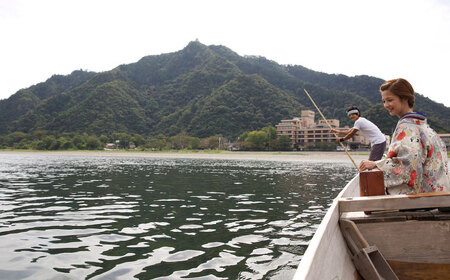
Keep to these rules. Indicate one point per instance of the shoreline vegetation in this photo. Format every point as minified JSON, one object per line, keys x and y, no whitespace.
{"x":317,"y":156}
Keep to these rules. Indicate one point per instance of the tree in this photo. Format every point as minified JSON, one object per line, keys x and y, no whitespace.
{"x":257,"y":140}
{"x":47,"y":143}
{"x":211,"y":142}
{"x":39,"y":134}
{"x":194,"y":143}
{"x":158,"y":142}
{"x":16,"y":137}
{"x":271,"y":136}
{"x":55,"y":144}
{"x":104,"y":139}
{"x":243,"y":136}
{"x":123,"y":138}
{"x":179,"y":141}
{"x":284,"y":143}
{"x":24,"y":144}
{"x":138,"y":140}
{"x":79,"y":142}
{"x":93,"y":143}
{"x":66,"y":144}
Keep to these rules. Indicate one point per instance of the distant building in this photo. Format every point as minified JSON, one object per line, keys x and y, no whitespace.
{"x":110,"y":146}
{"x":446,"y":139}
{"x":304,"y":132}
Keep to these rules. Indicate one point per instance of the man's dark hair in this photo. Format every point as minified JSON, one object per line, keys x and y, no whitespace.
{"x":354,"y":108}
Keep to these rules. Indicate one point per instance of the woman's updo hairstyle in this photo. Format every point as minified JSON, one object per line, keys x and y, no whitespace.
{"x":400,"y":87}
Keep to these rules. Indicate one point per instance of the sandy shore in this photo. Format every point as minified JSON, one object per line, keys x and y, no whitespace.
{"x":274,"y":156}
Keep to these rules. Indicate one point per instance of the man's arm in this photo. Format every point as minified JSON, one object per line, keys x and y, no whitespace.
{"x":343,"y":132}
{"x":350,"y":134}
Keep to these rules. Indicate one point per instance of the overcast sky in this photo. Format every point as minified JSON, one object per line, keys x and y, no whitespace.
{"x":381,"y":38}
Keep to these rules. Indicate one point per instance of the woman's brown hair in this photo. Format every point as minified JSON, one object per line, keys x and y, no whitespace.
{"x":400,"y":87}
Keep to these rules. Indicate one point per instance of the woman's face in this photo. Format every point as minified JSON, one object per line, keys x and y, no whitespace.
{"x":394,"y":104}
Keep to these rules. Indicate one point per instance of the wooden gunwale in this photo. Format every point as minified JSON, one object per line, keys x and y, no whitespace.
{"x":327,"y":256}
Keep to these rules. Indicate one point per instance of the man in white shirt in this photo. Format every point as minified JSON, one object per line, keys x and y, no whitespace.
{"x":370,"y":131}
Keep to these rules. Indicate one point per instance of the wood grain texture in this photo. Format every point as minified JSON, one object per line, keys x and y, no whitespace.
{"x":393,"y":202}
{"x":412,"y":241}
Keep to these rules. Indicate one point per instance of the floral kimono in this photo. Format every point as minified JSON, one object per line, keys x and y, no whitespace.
{"x":416,"y":160}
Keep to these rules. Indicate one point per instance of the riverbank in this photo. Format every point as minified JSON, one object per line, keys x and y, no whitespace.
{"x":267,"y":156}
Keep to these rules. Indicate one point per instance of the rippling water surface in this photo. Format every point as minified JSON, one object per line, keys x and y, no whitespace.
{"x":74,"y":217}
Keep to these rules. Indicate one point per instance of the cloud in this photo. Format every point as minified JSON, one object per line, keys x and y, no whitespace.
{"x":386,"y":39}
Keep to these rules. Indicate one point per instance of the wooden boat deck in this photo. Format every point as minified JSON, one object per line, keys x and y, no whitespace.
{"x":416,"y":244}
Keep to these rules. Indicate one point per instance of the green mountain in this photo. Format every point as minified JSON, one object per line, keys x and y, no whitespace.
{"x":200,"y":91}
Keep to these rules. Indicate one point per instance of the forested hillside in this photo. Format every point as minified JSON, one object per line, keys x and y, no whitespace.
{"x":198,"y":91}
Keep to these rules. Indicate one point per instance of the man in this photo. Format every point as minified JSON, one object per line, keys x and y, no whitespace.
{"x":371,"y":131}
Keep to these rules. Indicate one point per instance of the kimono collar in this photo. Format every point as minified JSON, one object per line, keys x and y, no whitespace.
{"x":414,"y":115}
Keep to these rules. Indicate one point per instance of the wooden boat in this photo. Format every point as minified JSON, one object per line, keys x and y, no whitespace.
{"x":415,"y":243}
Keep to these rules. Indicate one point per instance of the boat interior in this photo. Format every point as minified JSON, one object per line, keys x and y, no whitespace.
{"x":398,"y":236}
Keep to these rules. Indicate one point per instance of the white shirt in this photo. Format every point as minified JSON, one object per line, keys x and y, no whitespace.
{"x":371,"y":131}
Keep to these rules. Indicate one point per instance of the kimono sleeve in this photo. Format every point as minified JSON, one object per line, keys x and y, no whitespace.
{"x":404,"y":162}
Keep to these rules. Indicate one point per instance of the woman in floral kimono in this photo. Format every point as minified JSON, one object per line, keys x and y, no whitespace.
{"x":417,"y":158}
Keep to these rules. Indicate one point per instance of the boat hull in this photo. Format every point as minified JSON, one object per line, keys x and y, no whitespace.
{"x":327,"y":256}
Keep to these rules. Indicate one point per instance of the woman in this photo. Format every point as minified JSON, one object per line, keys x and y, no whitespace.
{"x":417,"y":157}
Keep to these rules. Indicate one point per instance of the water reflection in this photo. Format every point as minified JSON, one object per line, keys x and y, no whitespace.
{"x":123,"y":218}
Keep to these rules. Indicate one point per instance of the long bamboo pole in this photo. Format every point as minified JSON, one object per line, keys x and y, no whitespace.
{"x":345,"y":149}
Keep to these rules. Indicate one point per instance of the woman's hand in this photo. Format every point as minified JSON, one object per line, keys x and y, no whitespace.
{"x":367,"y":164}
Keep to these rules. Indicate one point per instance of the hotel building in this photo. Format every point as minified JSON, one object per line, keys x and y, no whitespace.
{"x":304,"y":132}
{"x":446,"y":139}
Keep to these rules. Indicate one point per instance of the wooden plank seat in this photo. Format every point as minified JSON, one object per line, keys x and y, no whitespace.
{"x":397,"y":216}
{"x":394,"y":202}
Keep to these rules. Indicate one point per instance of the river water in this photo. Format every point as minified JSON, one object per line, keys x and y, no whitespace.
{"x":76,"y":217}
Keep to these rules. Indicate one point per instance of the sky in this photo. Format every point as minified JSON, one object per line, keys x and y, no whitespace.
{"x":381,"y":38}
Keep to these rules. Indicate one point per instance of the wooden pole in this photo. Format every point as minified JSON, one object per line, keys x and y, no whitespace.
{"x":345,"y":149}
